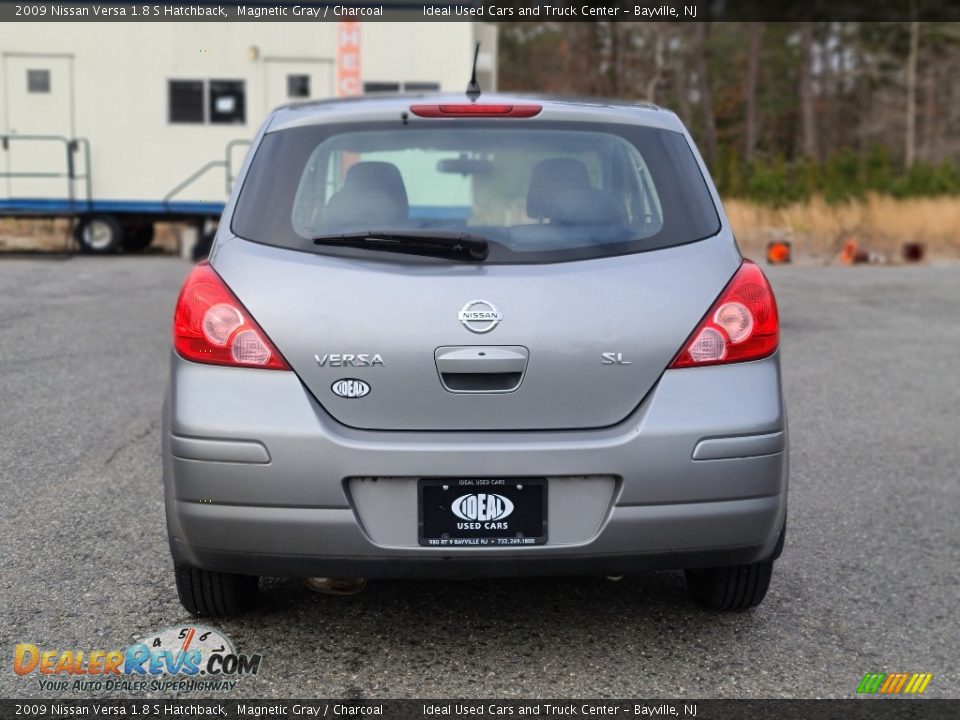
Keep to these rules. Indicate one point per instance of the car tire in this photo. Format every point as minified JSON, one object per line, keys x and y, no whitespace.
{"x":98,"y":234}
{"x":735,"y":588}
{"x":137,"y":238}
{"x":215,"y":594}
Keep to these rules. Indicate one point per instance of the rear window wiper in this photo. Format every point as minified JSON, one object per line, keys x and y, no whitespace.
{"x":438,"y":243}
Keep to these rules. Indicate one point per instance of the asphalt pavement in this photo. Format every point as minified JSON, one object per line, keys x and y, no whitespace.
{"x":868,"y":582}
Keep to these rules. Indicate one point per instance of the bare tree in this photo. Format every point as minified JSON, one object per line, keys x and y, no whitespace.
{"x":910,"y":139}
{"x":807,"y":109}
{"x":681,"y":71}
{"x":927,"y":147}
{"x":659,"y":40}
{"x":754,"y":35}
{"x":706,"y":94}
{"x":865,"y":87}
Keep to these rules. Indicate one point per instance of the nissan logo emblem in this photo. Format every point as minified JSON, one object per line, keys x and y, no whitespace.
{"x":480,"y":316}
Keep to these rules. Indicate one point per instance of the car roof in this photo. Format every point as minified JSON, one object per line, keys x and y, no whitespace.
{"x":384,"y":108}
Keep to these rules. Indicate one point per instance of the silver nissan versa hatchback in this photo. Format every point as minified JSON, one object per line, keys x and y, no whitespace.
{"x":448,"y":338}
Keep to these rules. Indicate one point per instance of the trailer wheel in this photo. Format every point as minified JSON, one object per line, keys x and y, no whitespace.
{"x":98,"y":234}
{"x":137,"y":237}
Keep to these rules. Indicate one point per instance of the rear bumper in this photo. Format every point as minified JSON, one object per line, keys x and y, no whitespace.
{"x":259,"y":479}
{"x":326,"y":543}
{"x":389,"y":568}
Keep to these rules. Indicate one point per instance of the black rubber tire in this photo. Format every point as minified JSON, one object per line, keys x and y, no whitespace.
{"x":98,"y":234}
{"x":215,"y":594}
{"x":137,"y":238}
{"x":735,"y":588}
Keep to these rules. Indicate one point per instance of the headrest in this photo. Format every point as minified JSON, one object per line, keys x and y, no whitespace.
{"x":373,"y":193}
{"x":549,"y":179}
{"x":371,"y":176}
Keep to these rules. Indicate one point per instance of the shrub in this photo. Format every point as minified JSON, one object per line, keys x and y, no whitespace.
{"x":845,"y":176}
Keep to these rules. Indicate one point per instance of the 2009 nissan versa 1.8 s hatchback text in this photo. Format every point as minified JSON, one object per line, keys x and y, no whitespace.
{"x":441,"y":338}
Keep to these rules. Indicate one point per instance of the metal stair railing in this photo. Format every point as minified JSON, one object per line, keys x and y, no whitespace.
{"x":71,"y":147}
{"x":226,"y":163}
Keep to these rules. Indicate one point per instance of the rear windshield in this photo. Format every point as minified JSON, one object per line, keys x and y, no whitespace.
{"x":538,"y":192}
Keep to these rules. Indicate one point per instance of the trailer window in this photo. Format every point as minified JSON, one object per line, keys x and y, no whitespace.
{"x":227,"y":102}
{"x":298,"y":86}
{"x":374,"y":88}
{"x":38,"y":81}
{"x":186,"y":101}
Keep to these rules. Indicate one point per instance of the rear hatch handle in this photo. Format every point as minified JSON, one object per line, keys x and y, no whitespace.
{"x":481,"y":368}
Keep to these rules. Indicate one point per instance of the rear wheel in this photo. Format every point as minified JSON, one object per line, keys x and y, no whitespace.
{"x":215,"y":594}
{"x":736,"y":588}
{"x":98,"y":234}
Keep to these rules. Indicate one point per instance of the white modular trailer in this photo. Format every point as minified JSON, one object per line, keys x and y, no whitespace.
{"x":119,"y":125}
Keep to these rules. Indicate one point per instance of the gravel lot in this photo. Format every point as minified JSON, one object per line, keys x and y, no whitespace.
{"x":868,"y":582}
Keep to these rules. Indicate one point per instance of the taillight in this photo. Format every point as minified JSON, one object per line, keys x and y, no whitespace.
{"x":211,"y":326}
{"x":742,"y":324}
{"x":475,"y":110}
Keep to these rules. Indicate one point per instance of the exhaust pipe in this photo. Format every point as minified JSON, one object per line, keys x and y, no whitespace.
{"x":335,"y":586}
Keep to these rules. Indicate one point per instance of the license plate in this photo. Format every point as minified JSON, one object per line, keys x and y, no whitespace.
{"x":481,"y":512}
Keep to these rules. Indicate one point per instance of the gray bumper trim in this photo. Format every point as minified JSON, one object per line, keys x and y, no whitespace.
{"x":739,"y":447}
{"x":232,"y":451}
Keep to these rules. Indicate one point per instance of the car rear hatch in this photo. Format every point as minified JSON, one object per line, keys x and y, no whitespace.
{"x":456,"y":346}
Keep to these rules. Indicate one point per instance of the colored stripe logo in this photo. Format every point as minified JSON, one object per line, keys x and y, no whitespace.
{"x":894,"y":683}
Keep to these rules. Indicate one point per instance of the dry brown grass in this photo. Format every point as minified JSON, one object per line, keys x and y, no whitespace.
{"x":879,"y":224}
{"x":53,"y":235}
{"x":32,"y":235}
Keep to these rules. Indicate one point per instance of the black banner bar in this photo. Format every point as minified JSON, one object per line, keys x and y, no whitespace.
{"x":483,"y":10}
{"x":236,"y":709}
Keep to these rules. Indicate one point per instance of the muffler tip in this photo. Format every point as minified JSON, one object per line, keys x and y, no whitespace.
{"x":335,"y":586}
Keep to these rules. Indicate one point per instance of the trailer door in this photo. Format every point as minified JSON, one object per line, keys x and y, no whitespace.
{"x":39,"y":119}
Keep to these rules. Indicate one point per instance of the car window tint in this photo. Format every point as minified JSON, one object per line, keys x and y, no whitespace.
{"x":540,"y":192}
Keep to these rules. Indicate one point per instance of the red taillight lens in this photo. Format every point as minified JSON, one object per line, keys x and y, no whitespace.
{"x":211,"y":326}
{"x":741,"y":325}
{"x":475,"y":110}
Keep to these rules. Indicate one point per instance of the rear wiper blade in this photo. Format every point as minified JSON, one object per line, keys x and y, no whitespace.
{"x":440,"y":243}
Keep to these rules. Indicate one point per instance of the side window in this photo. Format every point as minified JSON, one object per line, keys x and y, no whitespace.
{"x":227,"y":102}
{"x":185,"y":101}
